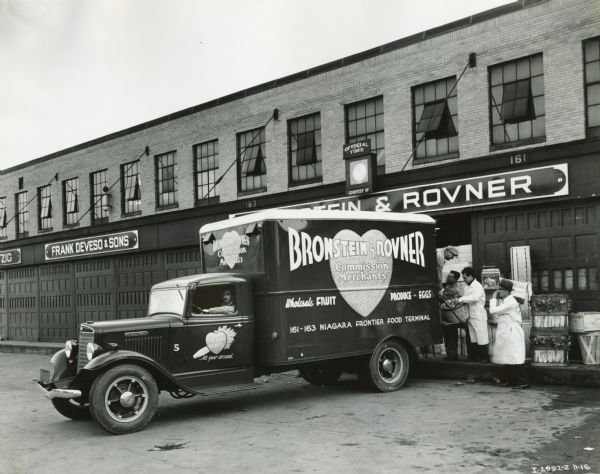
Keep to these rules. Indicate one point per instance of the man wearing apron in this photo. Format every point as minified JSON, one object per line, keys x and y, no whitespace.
{"x":474,"y":296}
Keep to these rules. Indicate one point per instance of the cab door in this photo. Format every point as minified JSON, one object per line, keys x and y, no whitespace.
{"x":218,"y":345}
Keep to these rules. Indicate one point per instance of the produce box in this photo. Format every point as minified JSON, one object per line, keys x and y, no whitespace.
{"x":541,"y":356}
{"x":584,"y":322}
{"x":490,"y":278}
{"x":552,"y":322}
{"x":549,"y":349}
{"x":550,"y":304}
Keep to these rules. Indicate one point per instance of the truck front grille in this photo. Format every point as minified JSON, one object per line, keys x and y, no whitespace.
{"x":85,"y":335}
{"x":147,"y":345}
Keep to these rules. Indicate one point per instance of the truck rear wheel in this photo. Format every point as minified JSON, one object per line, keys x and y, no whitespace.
{"x":388,"y":368}
{"x":320,"y":374}
{"x":124,"y":399}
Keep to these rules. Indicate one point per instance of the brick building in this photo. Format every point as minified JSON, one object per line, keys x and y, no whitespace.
{"x":491,"y":124}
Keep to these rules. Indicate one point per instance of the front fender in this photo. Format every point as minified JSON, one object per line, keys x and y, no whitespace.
{"x":109,"y":359}
{"x":62,"y":368}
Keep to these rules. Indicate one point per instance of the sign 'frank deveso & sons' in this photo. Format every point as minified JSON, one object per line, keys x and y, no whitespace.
{"x":99,"y":244}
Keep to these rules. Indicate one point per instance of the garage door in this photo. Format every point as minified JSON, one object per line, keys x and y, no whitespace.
{"x":564,"y":243}
{"x":57,"y":303}
{"x":22,"y":304}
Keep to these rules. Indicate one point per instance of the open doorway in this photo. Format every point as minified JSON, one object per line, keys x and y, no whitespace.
{"x":453,"y":229}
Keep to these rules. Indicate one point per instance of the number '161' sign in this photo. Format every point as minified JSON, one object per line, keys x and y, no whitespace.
{"x":10,"y":257}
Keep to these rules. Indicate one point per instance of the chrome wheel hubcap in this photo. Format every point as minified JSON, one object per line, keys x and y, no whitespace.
{"x":126,"y":399}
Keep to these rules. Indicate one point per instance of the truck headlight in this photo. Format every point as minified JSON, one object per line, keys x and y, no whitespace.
{"x":93,"y":350}
{"x":71,"y":349}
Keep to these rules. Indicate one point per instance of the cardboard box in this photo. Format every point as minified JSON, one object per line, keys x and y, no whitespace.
{"x":522,"y":289}
{"x":490,"y":278}
{"x":584,"y":322}
{"x":520,"y":263}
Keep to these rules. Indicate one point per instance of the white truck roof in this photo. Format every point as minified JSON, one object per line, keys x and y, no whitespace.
{"x":286,"y":214}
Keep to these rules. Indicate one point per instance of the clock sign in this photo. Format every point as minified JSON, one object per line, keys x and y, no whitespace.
{"x":360,"y":167}
{"x":359,"y":172}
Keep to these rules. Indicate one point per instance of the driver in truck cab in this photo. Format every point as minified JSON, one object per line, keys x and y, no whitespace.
{"x":228,"y":306}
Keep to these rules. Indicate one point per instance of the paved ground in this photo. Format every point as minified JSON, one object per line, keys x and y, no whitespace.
{"x":290,"y":426}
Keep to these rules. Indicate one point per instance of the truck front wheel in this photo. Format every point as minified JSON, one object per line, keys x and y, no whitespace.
{"x":388,"y":368}
{"x":71,"y":409}
{"x":320,"y":374}
{"x":124,"y":399}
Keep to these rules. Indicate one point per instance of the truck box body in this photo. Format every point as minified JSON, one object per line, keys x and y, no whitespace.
{"x":330,"y":284}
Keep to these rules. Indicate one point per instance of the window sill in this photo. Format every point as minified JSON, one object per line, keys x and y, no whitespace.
{"x":529,"y":141}
{"x":294,"y":184}
{"x":434,"y":159}
{"x":167,"y":207}
{"x":208,"y":201}
{"x":130,"y":214}
{"x":24,"y":235}
{"x":250,"y":193}
{"x":45,"y":231}
{"x":70,"y":226}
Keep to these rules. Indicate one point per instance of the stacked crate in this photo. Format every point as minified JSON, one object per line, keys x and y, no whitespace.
{"x":550,"y":338}
{"x":586,"y":326}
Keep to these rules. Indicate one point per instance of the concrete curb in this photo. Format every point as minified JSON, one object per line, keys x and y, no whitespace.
{"x":21,"y":347}
{"x":574,"y":374}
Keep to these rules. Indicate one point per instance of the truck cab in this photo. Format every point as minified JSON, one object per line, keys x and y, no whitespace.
{"x":214,"y":345}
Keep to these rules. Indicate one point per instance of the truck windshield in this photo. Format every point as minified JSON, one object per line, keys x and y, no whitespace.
{"x":167,"y":300}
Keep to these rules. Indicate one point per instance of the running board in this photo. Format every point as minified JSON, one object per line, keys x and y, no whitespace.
{"x":227,"y":389}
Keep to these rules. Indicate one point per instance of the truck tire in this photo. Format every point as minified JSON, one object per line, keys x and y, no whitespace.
{"x":320,"y":374}
{"x":71,"y":409}
{"x":388,"y":367}
{"x":124,"y":399}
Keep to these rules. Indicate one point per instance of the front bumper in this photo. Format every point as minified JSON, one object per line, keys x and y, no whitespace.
{"x":51,"y":393}
{"x":54,"y":383}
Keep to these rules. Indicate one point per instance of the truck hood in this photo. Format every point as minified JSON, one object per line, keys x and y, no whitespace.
{"x":155,"y":321}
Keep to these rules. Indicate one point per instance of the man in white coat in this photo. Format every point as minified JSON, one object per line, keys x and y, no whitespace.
{"x":474,"y":296}
{"x":509,"y":351}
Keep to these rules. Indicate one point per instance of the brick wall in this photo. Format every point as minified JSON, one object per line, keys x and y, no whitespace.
{"x":556,"y":28}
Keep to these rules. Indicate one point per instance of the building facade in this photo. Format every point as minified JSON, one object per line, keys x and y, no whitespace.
{"x":491,"y":124}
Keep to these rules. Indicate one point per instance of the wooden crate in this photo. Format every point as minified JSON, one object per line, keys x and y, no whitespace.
{"x":549,"y":348}
{"x":551,"y":321}
{"x":590,"y":347}
{"x":550,"y":304}
{"x":549,"y":357}
{"x":584,"y":322}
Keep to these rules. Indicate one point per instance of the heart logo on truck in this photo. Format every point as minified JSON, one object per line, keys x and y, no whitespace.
{"x":230,"y":248}
{"x":216,"y":341}
{"x":360,"y":273}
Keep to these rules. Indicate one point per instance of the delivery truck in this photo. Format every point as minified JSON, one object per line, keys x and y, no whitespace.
{"x":322,"y":292}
